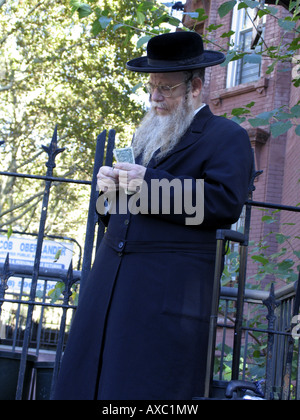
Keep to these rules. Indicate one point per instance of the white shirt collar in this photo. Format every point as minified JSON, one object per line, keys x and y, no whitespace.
{"x":198,"y":109}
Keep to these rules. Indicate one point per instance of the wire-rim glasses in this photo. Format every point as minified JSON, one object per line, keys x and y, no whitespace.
{"x":164,"y":90}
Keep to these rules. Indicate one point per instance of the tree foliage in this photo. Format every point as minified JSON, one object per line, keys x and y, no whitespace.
{"x":63,"y":62}
{"x":55,"y":69}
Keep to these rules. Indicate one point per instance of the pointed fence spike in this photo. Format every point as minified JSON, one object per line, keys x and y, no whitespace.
{"x":68,"y":283}
{"x":52,"y":150}
{"x":5,"y":272}
{"x":6,"y":263}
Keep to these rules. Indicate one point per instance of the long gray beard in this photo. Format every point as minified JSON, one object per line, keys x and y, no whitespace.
{"x":162,"y":131}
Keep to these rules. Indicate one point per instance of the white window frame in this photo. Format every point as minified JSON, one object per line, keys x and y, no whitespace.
{"x":238,"y":18}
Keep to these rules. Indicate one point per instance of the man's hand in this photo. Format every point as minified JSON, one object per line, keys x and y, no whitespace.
{"x":108,"y":179}
{"x":131,"y":176}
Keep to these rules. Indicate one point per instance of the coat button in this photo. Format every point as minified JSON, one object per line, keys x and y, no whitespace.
{"x":126,"y":222}
{"x":121,"y":244}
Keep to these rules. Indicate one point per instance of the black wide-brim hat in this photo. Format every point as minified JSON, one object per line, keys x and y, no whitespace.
{"x":175,"y":51}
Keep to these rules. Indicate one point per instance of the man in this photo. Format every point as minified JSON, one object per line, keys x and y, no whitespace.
{"x":141,"y":328}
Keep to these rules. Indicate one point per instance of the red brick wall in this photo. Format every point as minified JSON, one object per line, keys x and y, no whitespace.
{"x":291,"y":181}
{"x":279,"y":158}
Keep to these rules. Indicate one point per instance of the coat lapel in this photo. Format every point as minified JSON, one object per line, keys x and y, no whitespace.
{"x":188,"y":138}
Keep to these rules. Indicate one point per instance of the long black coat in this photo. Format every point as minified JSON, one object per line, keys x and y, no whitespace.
{"x":141,"y":328}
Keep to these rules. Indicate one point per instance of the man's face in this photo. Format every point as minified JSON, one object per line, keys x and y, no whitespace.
{"x":166,"y":105}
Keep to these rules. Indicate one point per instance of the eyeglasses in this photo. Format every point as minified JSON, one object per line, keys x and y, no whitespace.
{"x":164,"y":90}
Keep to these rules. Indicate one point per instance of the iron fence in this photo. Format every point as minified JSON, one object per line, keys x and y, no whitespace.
{"x":264,"y":348}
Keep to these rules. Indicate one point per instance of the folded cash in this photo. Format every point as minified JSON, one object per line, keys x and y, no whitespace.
{"x":124,"y":154}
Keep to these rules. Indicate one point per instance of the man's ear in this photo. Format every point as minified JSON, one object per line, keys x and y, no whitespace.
{"x":196,"y":86}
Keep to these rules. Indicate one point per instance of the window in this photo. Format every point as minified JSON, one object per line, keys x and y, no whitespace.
{"x":240,"y":71}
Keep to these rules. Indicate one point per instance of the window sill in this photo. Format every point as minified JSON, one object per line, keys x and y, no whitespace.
{"x":260,"y":87}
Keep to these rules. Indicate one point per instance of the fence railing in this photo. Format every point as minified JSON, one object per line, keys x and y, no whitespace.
{"x":52,"y":151}
{"x":264,"y":342}
{"x":266,"y":328}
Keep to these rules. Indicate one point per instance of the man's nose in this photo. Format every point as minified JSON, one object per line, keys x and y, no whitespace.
{"x":156,"y":95}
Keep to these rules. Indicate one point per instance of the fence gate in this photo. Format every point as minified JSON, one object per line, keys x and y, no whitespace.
{"x":34,"y":325}
{"x":22,"y":333}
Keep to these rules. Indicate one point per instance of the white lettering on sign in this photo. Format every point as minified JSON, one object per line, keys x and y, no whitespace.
{"x":55,"y":254}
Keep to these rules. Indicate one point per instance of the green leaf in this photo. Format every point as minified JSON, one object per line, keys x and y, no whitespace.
{"x":104,"y":21}
{"x":82,"y":9}
{"x":268,"y":219}
{"x":56,"y":292}
{"x":250,"y":105}
{"x":295,"y":111}
{"x":257,"y":122}
{"x":57,"y":255}
{"x":201,"y":15}
{"x":296,"y":82}
{"x":239,"y":111}
{"x":117,"y":26}
{"x":226,"y":7}
{"x":143,"y":40}
{"x":272,"y":10}
{"x":297,"y":253}
{"x":295,"y":44}
{"x":227,"y":34}
{"x":39,"y":294}
{"x":260,"y":258}
{"x":256,"y":354}
{"x":162,"y":19}
{"x":213,"y":27}
{"x":285,"y":265}
{"x":262,"y":13}
{"x":286,"y":24}
{"x":283,"y":116}
{"x":76,"y":4}
{"x":280,"y":238}
{"x":174,"y":21}
{"x":140,"y":17}
{"x":297,"y":130}
{"x":136,"y":87}
{"x":145,"y":6}
{"x":268,"y":114}
{"x":279,"y":128}
{"x":252,"y":58}
{"x":248,"y":3}
{"x":232,"y":55}
{"x":238,"y":120}
{"x":293,"y":4}
{"x":96,"y":27}
{"x":9,"y":232}
{"x":271,"y":68}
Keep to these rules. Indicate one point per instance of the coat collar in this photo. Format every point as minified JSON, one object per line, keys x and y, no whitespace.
{"x":191,"y":135}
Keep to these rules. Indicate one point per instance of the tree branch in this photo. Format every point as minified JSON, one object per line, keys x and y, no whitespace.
{"x":13,"y":219}
{"x":15,"y":28}
{"x":29,"y":160}
{"x":7,"y":87}
{"x":17,"y":206}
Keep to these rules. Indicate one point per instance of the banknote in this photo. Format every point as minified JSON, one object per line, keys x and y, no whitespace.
{"x":124,"y":154}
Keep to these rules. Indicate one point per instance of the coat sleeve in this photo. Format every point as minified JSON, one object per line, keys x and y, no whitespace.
{"x":102,"y":209}
{"x":226,"y":174}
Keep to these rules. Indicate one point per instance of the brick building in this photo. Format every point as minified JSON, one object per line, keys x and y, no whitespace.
{"x":237,"y":85}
